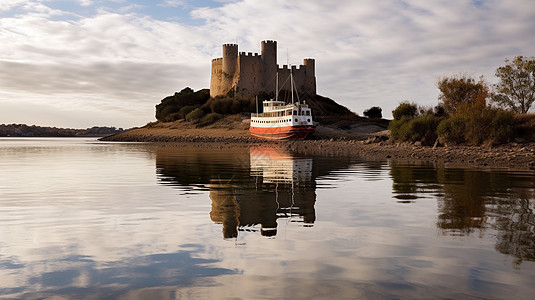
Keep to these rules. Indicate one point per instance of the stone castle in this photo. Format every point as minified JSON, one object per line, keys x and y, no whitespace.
{"x":248,"y":75}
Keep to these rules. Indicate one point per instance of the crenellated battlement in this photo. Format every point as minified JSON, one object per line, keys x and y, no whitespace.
{"x":249,"y":54}
{"x":250,"y":74}
{"x":294,"y":67}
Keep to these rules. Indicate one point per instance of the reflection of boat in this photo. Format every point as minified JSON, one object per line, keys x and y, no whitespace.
{"x":276,"y":166}
{"x":283,"y":188}
{"x":283,"y":121}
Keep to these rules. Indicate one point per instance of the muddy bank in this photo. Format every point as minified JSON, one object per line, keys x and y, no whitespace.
{"x":511,"y":156}
{"x":366,"y":145}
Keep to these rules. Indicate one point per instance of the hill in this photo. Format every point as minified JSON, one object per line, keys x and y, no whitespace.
{"x":192,"y":105}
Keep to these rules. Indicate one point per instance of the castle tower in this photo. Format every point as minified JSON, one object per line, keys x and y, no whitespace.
{"x":230,"y":64}
{"x":269,"y":64}
{"x":310,"y":75}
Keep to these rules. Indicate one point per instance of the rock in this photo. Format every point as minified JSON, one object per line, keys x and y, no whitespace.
{"x":438,"y":143}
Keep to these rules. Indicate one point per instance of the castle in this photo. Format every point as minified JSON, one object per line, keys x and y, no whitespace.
{"x":248,"y":75}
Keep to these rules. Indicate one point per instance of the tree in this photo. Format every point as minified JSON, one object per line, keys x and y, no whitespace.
{"x":462,"y":90}
{"x":374,"y":112}
{"x":516,"y":89}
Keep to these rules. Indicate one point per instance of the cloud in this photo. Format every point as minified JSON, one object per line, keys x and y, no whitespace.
{"x":174,"y":3}
{"x":85,"y":2}
{"x":368,"y":53}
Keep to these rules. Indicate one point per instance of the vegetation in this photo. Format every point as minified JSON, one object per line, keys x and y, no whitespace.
{"x":516,"y":89}
{"x":199,"y":107}
{"x":180,"y":104}
{"x":374,"y":112}
{"x":462,"y":117}
{"x":461,"y":90}
{"x":23,"y":130}
{"x":413,"y":124}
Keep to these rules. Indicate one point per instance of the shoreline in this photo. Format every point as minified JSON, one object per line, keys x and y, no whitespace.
{"x":372,"y":146}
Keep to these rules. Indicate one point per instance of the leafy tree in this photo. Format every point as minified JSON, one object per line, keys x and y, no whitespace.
{"x":374,"y":112}
{"x":180,"y":104}
{"x":461,"y":90}
{"x":516,"y":89}
{"x":405,"y":109}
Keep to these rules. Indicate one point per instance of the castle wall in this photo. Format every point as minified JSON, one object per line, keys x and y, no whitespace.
{"x":304,"y":78}
{"x":252,"y":74}
{"x":250,"y":81}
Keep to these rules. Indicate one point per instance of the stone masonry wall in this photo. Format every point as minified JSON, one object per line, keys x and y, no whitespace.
{"x":250,"y":74}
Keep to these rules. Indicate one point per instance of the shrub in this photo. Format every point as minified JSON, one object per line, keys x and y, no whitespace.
{"x":400,"y":129}
{"x":186,"y":110}
{"x":531,"y":124}
{"x":405,"y":109}
{"x":209,"y":119}
{"x":195,"y":115}
{"x":424,"y":129}
{"x":452,"y":129}
{"x":477,"y":127}
{"x":374,"y":112}
{"x":171,"y":107}
{"x":502,"y":128}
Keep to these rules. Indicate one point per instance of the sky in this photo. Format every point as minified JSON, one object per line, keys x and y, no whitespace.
{"x":84,"y":63}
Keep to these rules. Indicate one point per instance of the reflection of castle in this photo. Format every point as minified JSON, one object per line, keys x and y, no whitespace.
{"x":250,"y":75}
{"x":248,"y":189}
{"x":286,"y":190}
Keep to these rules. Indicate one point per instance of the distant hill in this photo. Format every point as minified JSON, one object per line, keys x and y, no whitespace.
{"x":23,"y":130}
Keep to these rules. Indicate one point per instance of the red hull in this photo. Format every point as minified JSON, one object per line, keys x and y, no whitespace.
{"x":283,"y":133}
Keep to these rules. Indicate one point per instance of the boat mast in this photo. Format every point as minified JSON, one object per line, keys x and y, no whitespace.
{"x":292,"y":84}
{"x":277,"y":87}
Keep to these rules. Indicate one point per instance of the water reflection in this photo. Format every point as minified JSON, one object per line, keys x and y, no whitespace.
{"x":474,"y":202}
{"x":251,"y":190}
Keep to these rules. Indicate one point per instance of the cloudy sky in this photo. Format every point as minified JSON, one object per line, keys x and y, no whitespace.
{"x":81,"y":63}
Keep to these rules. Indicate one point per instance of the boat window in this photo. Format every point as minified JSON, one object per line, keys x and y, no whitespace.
{"x":308,"y":112}
{"x":308,"y":120}
{"x":296,"y":120}
{"x":295,"y":112}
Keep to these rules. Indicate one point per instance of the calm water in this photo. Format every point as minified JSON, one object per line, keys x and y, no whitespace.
{"x":86,"y":219}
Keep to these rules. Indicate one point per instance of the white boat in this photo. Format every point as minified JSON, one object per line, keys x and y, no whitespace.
{"x":280,"y":120}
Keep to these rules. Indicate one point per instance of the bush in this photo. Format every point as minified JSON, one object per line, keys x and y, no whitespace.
{"x":491,"y":125}
{"x":374,"y":112}
{"x":423,"y":129}
{"x":209,"y":119}
{"x":452,"y":129}
{"x":176,"y":106}
{"x":195,"y":115}
{"x":405,"y":109}
{"x":227,"y":105}
{"x":531,"y":124}
{"x":502,"y":128}
{"x":186,"y":110}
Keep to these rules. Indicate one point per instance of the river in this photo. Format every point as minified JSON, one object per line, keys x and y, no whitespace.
{"x":83,"y":219}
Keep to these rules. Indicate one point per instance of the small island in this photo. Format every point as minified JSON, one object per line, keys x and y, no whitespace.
{"x":473,"y":123}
